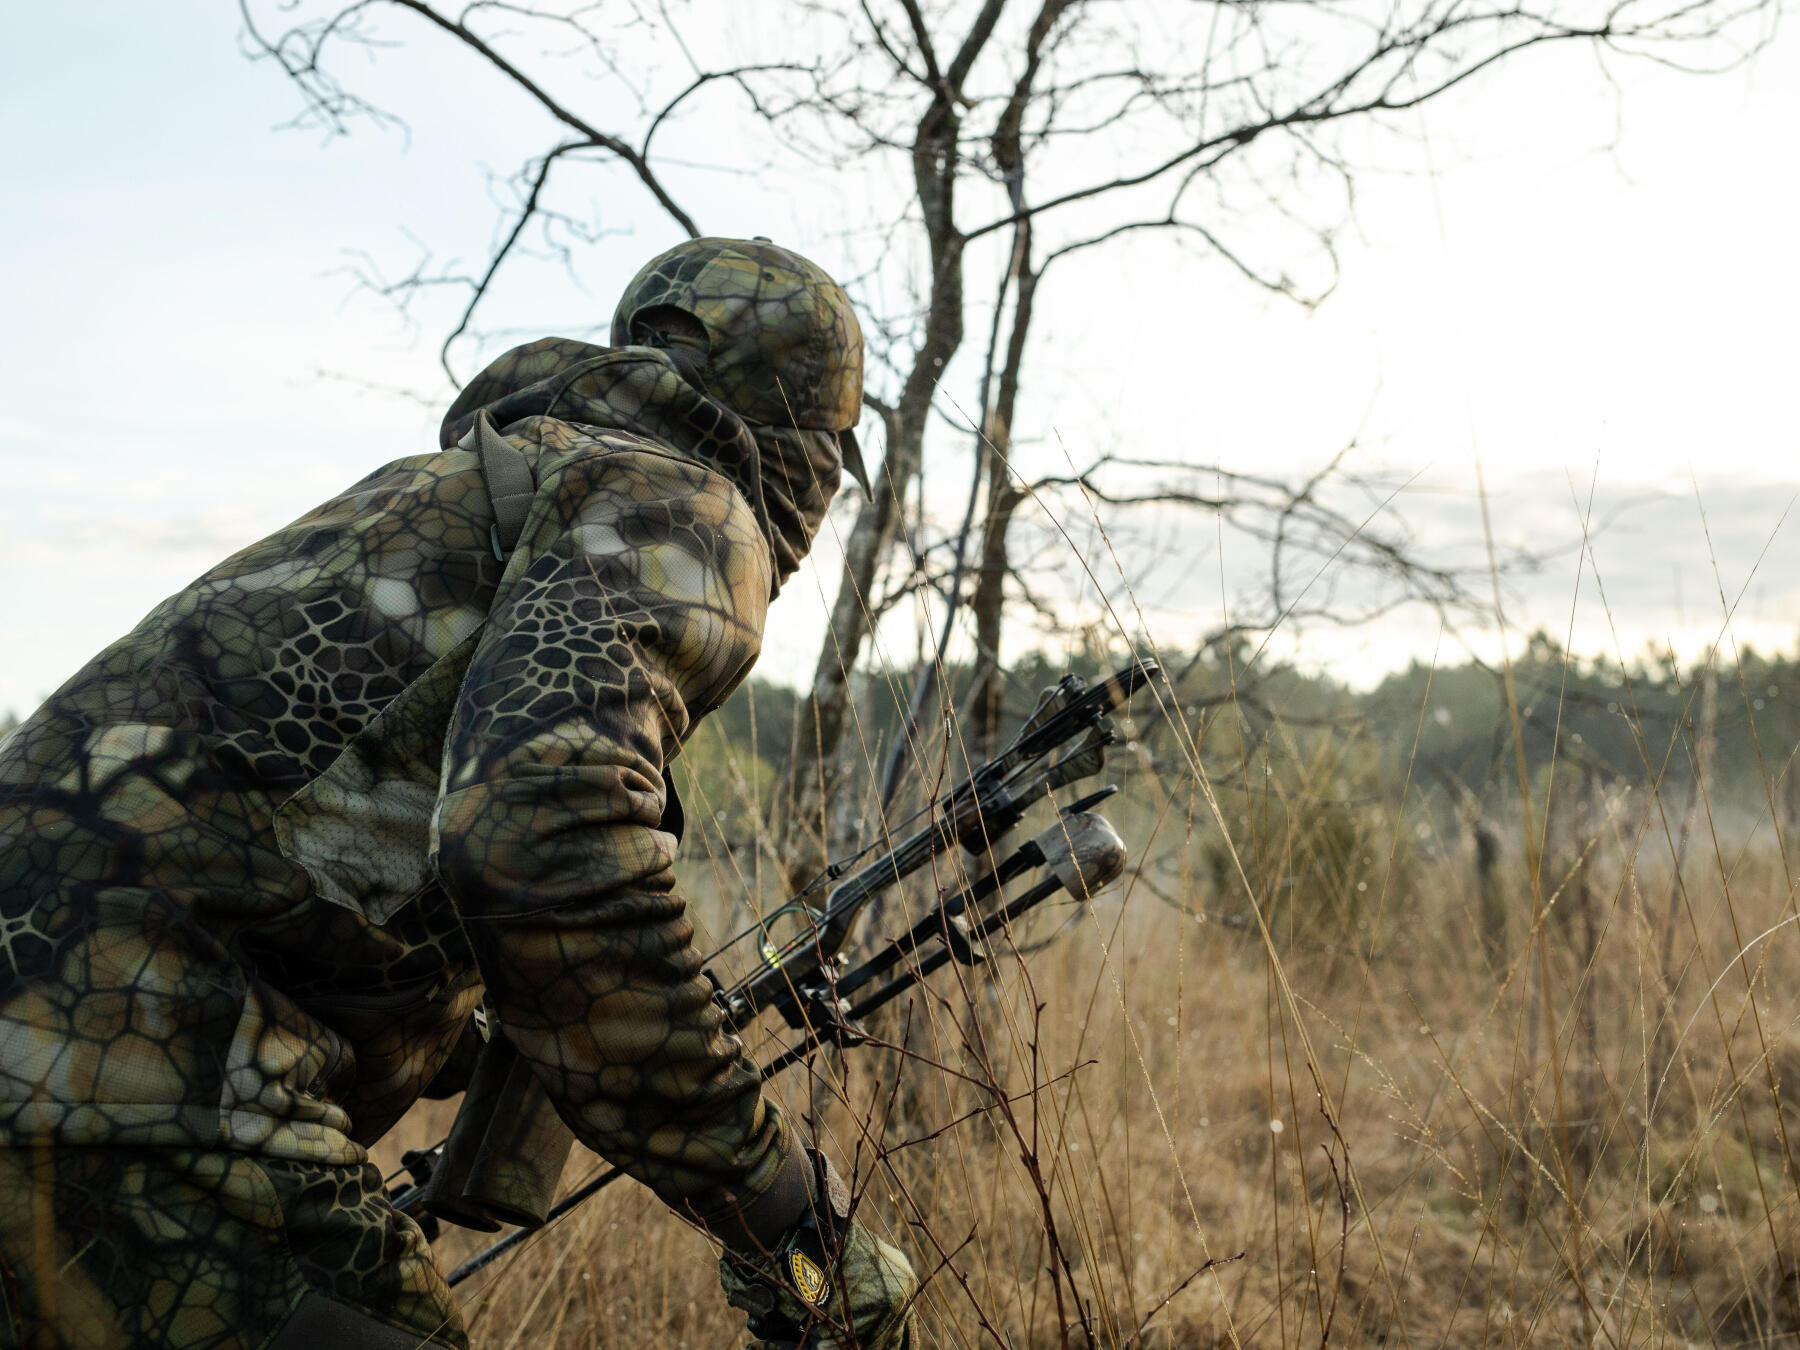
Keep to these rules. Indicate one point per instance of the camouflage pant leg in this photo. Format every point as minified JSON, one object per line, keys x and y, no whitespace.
{"x":164,"y":1249}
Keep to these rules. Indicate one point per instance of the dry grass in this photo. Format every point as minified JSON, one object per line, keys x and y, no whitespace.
{"x":1383,"y":1132}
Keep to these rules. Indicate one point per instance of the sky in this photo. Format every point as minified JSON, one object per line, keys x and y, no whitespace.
{"x":1580,"y":283}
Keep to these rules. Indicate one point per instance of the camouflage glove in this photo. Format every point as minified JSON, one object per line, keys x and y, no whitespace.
{"x":828,"y":1284}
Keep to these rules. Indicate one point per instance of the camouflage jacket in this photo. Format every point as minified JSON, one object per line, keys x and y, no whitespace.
{"x":262,"y":856}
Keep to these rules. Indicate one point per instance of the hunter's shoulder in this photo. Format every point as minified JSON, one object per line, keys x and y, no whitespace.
{"x":602,"y":472}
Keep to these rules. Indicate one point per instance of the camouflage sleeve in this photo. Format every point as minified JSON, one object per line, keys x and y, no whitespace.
{"x":634,"y":604}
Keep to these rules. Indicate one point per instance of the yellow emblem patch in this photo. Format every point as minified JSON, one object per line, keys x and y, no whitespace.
{"x":808,"y":1278}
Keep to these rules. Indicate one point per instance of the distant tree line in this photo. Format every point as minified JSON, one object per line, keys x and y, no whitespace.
{"x":1649,"y":719}
{"x":1448,"y":730}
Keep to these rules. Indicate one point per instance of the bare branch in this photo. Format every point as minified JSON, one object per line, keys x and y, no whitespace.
{"x":593,"y":135}
{"x":526,"y":212}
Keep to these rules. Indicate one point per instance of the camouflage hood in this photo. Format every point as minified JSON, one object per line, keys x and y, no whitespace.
{"x":787,"y":474}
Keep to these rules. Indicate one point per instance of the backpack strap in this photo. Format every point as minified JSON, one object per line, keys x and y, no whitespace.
{"x":509,"y":483}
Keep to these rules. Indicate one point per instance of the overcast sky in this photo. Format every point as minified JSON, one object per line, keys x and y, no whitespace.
{"x":1559,"y":272}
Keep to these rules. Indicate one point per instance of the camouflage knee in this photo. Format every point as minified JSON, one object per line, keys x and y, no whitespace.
{"x":101,"y":1249}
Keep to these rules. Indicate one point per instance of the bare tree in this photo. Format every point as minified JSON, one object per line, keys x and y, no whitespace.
{"x":987,"y":144}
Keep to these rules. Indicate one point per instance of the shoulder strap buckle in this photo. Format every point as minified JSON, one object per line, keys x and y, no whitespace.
{"x":509,"y":483}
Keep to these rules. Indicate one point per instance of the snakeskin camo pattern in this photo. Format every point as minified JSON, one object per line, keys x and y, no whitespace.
{"x":788,"y":475}
{"x":172,"y":1249}
{"x":220,"y":923}
{"x":785,"y":348}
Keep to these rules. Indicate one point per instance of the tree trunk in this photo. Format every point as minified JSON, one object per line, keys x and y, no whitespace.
{"x":1491,"y":894}
{"x":809,"y":832}
{"x":1589,"y":1078}
{"x":987,"y":690}
{"x":1705,"y":742}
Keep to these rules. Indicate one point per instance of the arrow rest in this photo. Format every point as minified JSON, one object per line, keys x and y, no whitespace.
{"x":820,"y":1014}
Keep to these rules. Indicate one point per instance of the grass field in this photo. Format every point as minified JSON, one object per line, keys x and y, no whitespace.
{"x":1338,"y":1073}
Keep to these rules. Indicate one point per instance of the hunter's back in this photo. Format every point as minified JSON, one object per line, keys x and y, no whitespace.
{"x":149,"y":913}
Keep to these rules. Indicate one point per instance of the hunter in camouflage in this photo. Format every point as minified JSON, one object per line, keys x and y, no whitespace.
{"x":263,"y":856}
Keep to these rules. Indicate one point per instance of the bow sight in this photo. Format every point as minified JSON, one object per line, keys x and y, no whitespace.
{"x":806,"y":977}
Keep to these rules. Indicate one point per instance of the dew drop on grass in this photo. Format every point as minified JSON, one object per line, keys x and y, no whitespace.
{"x":1276,"y":1127}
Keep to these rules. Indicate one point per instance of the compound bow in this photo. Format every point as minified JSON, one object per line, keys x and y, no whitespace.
{"x":807,"y":979}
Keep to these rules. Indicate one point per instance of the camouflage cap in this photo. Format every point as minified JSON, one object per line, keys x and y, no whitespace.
{"x":784,"y":347}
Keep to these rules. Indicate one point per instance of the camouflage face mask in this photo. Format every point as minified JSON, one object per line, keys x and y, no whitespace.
{"x":783,"y":347}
